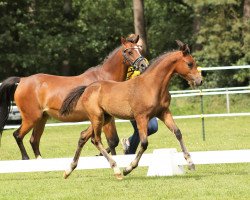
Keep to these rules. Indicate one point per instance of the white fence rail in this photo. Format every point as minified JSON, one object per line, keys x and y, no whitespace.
{"x":162,"y":162}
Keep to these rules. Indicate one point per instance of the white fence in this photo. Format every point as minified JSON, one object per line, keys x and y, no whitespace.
{"x":162,"y":162}
{"x":184,"y":93}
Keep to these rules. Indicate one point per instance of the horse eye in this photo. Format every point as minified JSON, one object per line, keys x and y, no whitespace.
{"x":190,"y":64}
{"x":130,"y":52}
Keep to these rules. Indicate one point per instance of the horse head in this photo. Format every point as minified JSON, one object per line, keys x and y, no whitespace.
{"x":186,"y":67}
{"x":132,"y":53}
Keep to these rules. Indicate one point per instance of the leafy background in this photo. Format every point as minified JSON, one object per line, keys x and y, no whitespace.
{"x":57,"y":38}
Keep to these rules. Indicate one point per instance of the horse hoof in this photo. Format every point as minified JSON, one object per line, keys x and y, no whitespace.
{"x":191,"y":167}
{"x":119,"y":176}
{"x":126,"y":172}
{"x":65,"y":175}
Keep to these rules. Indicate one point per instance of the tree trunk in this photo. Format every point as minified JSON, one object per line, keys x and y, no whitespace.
{"x":246,"y":10}
{"x":139,"y":23}
{"x":67,"y":9}
{"x":246,"y":23}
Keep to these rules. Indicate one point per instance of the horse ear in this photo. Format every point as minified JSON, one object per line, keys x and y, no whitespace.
{"x":183,"y":47}
{"x":123,"y":40}
{"x":136,"y":39}
{"x":180,"y":43}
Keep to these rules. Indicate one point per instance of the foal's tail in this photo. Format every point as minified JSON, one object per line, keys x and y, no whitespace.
{"x":7,"y":90}
{"x":71,"y":100}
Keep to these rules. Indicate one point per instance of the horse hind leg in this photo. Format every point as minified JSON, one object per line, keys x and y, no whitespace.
{"x":19,"y":135}
{"x":97,"y":126}
{"x":111,"y":135}
{"x":84,"y":137}
{"x":36,"y":135}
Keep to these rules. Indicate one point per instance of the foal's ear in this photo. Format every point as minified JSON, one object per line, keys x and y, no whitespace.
{"x":136,"y":39}
{"x":183,"y":47}
{"x":123,"y":40}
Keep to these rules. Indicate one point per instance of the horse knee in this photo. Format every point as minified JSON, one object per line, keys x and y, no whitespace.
{"x":178,"y":134}
{"x":144,"y":144}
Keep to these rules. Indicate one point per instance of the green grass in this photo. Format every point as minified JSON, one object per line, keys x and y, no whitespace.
{"x":220,"y":181}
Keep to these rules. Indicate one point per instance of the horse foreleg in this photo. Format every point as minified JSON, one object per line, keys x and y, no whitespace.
{"x":169,"y":122}
{"x":111,"y":135}
{"x":84,"y":137}
{"x":142,"y":125}
{"x":36,"y":136}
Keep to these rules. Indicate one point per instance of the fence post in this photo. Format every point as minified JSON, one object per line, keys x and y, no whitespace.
{"x":202,"y":116}
{"x":163,"y":163}
{"x":228,"y":103}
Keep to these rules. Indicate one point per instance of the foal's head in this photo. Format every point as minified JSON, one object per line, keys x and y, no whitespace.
{"x":132,"y":53}
{"x":186,"y":67}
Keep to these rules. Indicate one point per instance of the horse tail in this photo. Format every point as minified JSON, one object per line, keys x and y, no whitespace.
{"x":7,"y":90}
{"x":71,"y":100}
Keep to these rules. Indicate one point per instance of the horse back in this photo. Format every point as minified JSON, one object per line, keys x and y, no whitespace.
{"x":110,"y":97}
{"x":41,"y":92}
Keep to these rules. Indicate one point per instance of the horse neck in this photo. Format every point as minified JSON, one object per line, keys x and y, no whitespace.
{"x":162,"y":73}
{"x":114,"y":68}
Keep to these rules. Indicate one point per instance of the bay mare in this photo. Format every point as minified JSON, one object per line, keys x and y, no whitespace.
{"x":141,"y":98}
{"x":41,"y":95}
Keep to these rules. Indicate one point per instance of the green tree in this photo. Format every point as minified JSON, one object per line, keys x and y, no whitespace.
{"x":220,"y":38}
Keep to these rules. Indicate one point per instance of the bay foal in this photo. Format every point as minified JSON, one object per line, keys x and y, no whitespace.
{"x":141,"y":98}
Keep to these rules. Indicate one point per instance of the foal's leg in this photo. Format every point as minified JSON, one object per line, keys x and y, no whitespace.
{"x":84,"y":137}
{"x":111,"y":135}
{"x":97,"y":126}
{"x":169,"y":122}
{"x":36,"y":135}
{"x":142,"y":125}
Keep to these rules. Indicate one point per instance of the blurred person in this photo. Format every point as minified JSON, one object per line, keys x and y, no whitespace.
{"x":130,"y":144}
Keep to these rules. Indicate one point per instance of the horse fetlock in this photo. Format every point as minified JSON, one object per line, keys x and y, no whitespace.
{"x":187,"y":157}
{"x":73,"y":165}
{"x":113,"y":165}
{"x":134,"y":164}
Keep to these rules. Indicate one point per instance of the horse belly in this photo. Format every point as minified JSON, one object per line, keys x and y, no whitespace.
{"x":121,"y":110}
{"x":75,"y":116}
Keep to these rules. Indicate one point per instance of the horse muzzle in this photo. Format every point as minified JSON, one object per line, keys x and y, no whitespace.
{"x":198,"y":81}
{"x":141,"y":65}
{"x":195,"y":81}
